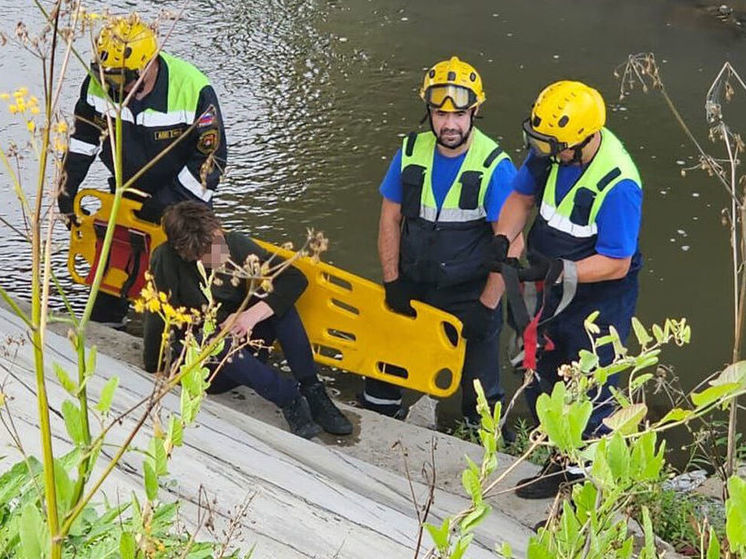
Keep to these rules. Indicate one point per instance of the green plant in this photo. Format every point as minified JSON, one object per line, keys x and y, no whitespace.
{"x":619,"y":466}
{"x":52,"y":507}
{"x":642,"y":69}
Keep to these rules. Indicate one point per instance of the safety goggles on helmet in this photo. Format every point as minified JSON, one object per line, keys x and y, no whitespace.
{"x":542,"y":145}
{"x":115,"y":78}
{"x":462,"y":98}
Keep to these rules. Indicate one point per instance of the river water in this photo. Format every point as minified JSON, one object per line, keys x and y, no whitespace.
{"x":317,"y":94}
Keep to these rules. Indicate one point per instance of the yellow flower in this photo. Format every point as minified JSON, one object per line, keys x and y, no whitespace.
{"x":153,"y":305}
{"x":162,"y":297}
{"x":31,"y":126}
{"x":21,"y":92}
{"x":13,"y":109}
{"x":5,"y":96}
{"x":61,"y":128}
{"x":140,"y":306}
{"x":34,"y":110}
{"x":21,"y":105}
{"x":59,"y":145}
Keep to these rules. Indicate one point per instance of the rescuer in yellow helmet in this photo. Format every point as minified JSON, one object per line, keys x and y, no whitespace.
{"x":442,"y":195}
{"x":174,"y":108}
{"x":585,"y":235}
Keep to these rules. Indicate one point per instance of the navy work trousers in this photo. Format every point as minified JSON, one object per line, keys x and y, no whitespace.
{"x":482,"y":356}
{"x":248,"y":367}
{"x":616,"y":307}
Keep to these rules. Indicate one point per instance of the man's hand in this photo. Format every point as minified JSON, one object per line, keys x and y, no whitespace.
{"x":539,"y":266}
{"x":479,"y":322}
{"x":248,"y":319}
{"x":151,"y":210}
{"x":398,"y":296}
{"x":498,"y":252}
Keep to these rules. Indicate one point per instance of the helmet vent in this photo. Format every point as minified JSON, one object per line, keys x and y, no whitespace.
{"x":536,"y":122}
{"x":127,"y":52}
{"x":563,"y":121}
{"x":432,"y":73}
{"x":473,"y":76}
{"x":451,"y":76}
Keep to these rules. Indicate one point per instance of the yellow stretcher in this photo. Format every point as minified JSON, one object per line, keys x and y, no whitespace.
{"x":345,"y":316}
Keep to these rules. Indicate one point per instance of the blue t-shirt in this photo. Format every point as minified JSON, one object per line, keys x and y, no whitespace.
{"x":619,"y":218}
{"x":445,"y":171}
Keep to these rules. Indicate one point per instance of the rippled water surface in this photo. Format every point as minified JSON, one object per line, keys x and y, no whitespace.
{"x":317,"y":95}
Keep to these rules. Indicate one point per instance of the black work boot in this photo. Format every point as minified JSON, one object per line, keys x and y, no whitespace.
{"x":323,"y":410}
{"x":298,"y":415}
{"x":547,"y":483}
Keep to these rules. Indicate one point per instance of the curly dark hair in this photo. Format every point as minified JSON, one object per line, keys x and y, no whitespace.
{"x":190,"y":228}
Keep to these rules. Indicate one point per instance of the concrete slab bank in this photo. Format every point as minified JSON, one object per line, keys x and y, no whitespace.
{"x":311,"y":499}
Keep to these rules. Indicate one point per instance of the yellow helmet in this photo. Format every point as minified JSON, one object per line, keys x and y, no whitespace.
{"x":124,"y":47}
{"x":452,"y":85}
{"x":564,"y":115}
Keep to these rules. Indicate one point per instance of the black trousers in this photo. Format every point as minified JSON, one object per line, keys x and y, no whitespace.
{"x":482,"y":356}
{"x":248,"y":367}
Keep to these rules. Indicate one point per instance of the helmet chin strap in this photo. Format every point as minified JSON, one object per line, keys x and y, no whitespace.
{"x":464,"y":139}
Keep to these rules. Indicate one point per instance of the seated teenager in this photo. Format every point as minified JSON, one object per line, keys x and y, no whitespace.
{"x":194,"y":233}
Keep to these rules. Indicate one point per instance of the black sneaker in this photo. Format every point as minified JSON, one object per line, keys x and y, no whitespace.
{"x":547,"y":483}
{"x":298,"y":415}
{"x":323,"y":410}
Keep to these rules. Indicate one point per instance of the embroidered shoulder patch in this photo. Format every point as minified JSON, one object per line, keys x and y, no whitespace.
{"x":208,"y":142}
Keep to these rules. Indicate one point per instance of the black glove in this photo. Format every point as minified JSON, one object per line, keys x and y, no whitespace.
{"x":538,"y":267}
{"x":70,"y":219}
{"x":151,"y":210}
{"x":398,"y":296}
{"x":498,"y":253}
{"x":479,"y":322}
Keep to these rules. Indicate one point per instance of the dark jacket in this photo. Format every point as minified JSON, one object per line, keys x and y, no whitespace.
{"x":181,"y":281}
{"x":150,"y":125}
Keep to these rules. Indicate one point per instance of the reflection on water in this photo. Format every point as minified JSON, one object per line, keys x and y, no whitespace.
{"x":317,"y":95}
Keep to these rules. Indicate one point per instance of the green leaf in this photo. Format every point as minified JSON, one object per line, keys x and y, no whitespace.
{"x":107,"y":395}
{"x":474,"y":518}
{"x":658,"y":333}
{"x":67,"y":383}
{"x":590,"y":323}
{"x":713,"y":394}
{"x":734,"y":373}
{"x":439,"y":535}
{"x":151,"y":481}
{"x":73,"y":421}
{"x":158,"y":458}
{"x":506,"y":551}
{"x":577,"y":420}
{"x":470,"y":481}
{"x":90,"y":364}
{"x":127,"y":545}
{"x":462,"y":545}
{"x":735,"y":514}
{"x":640,"y":380}
{"x":588,"y":361}
{"x":64,"y":487}
{"x":713,"y":548}
{"x":32,"y":532}
{"x":175,"y":431}
{"x":618,"y":457}
{"x":646,"y":360}
{"x":647,"y":524}
{"x":643,"y":338}
{"x":626,"y":420}
{"x":676,"y":414}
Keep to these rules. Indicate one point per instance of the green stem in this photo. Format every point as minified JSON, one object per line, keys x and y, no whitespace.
{"x":37,"y":321}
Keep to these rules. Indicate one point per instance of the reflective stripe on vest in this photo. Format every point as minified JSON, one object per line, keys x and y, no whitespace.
{"x":611,"y":165}
{"x":479,"y":161}
{"x":185,"y":83}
